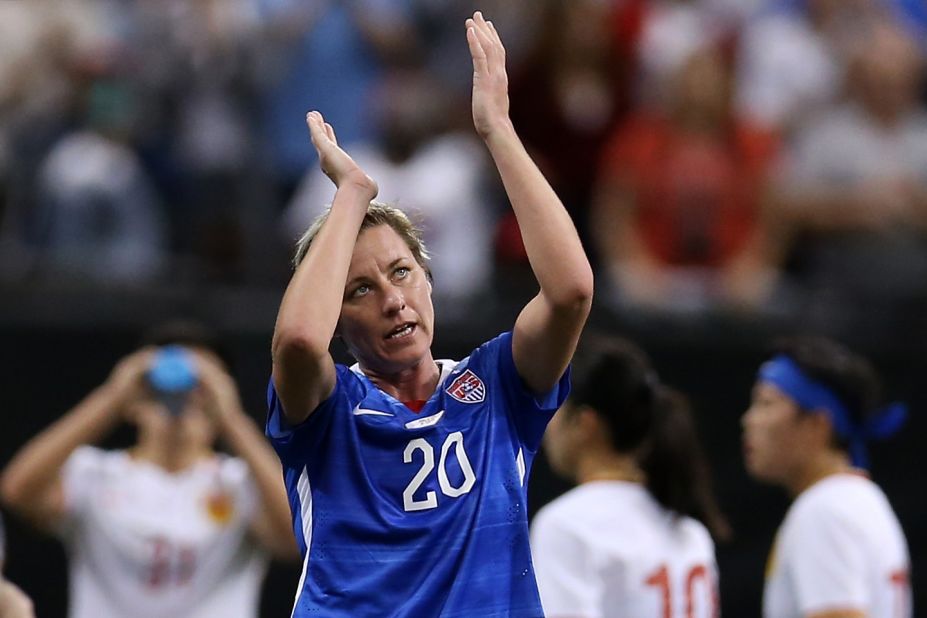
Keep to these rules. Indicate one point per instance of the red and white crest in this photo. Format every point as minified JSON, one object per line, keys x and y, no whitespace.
{"x":467,"y":388}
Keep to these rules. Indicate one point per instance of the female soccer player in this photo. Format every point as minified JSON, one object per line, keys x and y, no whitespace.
{"x":406,"y":475}
{"x":167,"y":527}
{"x":631,"y":539}
{"x":840,"y":553}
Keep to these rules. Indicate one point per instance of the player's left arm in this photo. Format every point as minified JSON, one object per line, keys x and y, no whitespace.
{"x":271,"y":525}
{"x":548,"y":328}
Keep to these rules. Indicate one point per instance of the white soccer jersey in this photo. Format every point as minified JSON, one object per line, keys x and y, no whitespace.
{"x":608,"y":549}
{"x":144,"y":542}
{"x":840,"y":547}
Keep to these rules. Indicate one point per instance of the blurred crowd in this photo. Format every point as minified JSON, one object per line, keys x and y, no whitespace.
{"x":741,"y":154}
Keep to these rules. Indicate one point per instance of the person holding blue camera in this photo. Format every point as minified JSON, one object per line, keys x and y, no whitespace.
{"x":168,"y":526}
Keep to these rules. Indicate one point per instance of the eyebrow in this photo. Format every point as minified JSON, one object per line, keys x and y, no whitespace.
{"x":389,"y":266}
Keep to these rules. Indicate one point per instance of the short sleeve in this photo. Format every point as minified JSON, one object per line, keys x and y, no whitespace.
{"x":293,"y":442}
{"x":563,"y":569}
{"x":529,"y":411}
{"x":826,"y":562}
{"x":80,"y":477}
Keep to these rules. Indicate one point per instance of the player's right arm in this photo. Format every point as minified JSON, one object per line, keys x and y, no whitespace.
{"x":303,"y":369}
{"x":31,"y":484}
{"x":838,"y":613}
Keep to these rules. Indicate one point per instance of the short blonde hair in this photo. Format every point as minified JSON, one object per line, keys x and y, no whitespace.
{"x":378,"y":213}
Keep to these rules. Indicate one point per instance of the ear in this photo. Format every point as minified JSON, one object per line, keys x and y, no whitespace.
{"x":588,"y":421}
{"x":820,"y":426}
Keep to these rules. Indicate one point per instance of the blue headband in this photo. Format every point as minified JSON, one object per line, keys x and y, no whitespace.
{"x":783,"y":373}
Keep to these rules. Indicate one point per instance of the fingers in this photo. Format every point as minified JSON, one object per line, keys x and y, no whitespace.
{"x":476,"y":50}
{"x":495,"y":36}
{"x":485,"y":45}
{"x":320,"y":130}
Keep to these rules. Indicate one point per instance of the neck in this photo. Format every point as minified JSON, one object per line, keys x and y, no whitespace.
{"x":170,"y":457}
{"x":608,"y":467}
{"x":412,"y":384}
{"x":819,"y":468}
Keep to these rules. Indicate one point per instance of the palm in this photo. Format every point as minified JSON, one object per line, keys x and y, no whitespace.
{"x":334,"y":161}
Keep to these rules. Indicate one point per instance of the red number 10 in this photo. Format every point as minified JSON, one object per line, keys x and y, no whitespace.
{"x":660,"y":579}
{"x":900,"y":581}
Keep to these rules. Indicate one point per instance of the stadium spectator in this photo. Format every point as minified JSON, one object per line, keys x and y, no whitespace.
{"x":678,"y":211}
{"x":98,"y":217}
{"x":433,"y":173}
{"x":840,"y":552}
{"x":568,"y":95}
{"x":793,"y":58}
{"x":331,"y":53}
{"x":633,"y":538}
{"x":167,"y":527}
{"x":407,"y":475}
{"x":853,"y":190}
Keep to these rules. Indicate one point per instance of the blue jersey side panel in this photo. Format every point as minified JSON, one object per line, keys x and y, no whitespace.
{"x":406,"y":514}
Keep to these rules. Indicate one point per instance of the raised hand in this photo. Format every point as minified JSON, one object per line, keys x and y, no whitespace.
{"x":127,"y":379}
{"x":490,"y":82}
{"x":335,"y":162}
{"x":221,"y":393}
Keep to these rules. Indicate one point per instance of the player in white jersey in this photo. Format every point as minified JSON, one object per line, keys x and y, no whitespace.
{"x":168,"y":527}
{"x":840,"y":553}
{"x":633,"y":538}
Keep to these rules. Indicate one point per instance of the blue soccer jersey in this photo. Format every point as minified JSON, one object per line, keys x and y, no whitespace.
{"x":422,"y":514}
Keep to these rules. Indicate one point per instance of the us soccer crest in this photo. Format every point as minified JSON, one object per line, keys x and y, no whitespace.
{"x":467,"y":388}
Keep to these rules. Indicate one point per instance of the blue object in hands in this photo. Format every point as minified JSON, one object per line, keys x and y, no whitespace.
{"x":172,"y":376}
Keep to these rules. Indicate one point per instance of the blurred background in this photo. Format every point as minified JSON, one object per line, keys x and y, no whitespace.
{"x":737,"y":169}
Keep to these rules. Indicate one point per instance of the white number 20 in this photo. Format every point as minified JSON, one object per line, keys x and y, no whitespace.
{"x":430,"y":501}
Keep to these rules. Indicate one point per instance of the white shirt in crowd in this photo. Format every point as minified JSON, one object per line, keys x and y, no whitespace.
{"x":145,"y":542}
{"x":840,"y":547}
{"x":608,"y":549}
{"x":440,"y":187}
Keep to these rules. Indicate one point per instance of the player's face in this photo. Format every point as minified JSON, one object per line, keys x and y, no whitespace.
{"x":191,"y":428}
{"x":775,"y":436}
{"x":195,"y":425}
{"x":387,"y":317}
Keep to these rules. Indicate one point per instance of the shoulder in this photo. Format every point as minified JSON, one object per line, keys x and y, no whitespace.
{"x":349,"y":381}
{"x":841,"y":502}
{"x":592,"y":504}
{"x":91,"y":458}
{"x":488,"y":354}
{"x":698,"y":535}
{"x":557,"y":520}
{"x":229,"y":469}
{"x":559,"y":509}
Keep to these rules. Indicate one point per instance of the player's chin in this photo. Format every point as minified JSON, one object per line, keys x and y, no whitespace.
{"x":406,"y":352}
{"x":756,"y":469}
